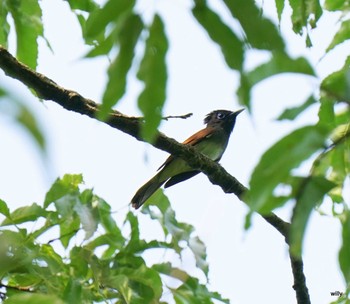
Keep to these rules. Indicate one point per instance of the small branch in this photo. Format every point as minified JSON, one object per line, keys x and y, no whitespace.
{"x":20,"y":288}
{"x":185,"y":116}
{"x":73,"y":101}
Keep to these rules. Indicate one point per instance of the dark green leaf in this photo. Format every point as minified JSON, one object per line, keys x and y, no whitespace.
{"x":62,"y":187}
{"x":27,"y":20}
{"x":344,"y":253}
{"x":260,"y":31}
{"x":24,"y":214}
{"x":112,"y":11}
{"x":342,"y":35}
{"x":279,"y":63}
{"x":34,"y":298}
{"x":118,"y":70}
{"x":231,"y":46}
{"x":276,"y":164}
{"x":311,"y":191}
{"x":294,"y":112}
{"x":73,"y":292}
{"x":153,"y":74}
{"x":337,"y":85}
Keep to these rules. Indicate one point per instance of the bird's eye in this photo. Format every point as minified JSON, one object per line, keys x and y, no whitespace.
{"x":220,"y":115}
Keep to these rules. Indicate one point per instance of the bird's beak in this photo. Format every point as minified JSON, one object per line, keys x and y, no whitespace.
{"x":239,"y":111}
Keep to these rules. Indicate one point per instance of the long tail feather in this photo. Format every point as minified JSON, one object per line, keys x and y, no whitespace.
{"x":146,"y":191}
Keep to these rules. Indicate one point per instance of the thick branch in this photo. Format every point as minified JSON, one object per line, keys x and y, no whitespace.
{"x":73,"y":101}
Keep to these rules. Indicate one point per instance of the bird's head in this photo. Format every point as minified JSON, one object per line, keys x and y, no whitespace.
{"x":222,"y":118}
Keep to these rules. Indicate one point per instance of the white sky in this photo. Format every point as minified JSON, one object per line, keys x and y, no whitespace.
{"x":246,"y":267}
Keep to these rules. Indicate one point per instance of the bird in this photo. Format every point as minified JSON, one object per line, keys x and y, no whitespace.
{"x":210,"y":141}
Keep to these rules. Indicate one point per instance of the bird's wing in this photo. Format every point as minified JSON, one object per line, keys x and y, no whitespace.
{"x":192,"y":141}
{"x":180,"y":178}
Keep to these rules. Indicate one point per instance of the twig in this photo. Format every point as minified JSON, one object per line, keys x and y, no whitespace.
{"x":185,"y":116}
{"x":73,"y":101}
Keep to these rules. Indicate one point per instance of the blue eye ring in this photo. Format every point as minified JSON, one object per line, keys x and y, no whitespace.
{"x":220,"y":115}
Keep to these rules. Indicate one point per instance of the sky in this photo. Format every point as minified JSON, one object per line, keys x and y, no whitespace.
{"x":245,"y":266}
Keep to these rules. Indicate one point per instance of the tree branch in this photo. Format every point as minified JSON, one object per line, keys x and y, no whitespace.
{"x":47,"y":89}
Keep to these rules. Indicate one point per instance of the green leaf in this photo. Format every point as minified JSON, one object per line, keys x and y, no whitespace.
{"x":231,"y":46}
{"x":118,"y":70}
{"x":337,"y":85}
{"x":26,"y":118}
{"x":279,"y":63}
{"x":5,"y":26}
{"x":134,"y":225}
{"x":344,"y":253}
{"x":335,"y":5}
{"x":112,"y":11}
{"x":24,"y":214}
{"x":276,"y":164}
{"x":70,"y":221}
{"x":326,"y":114}
{"x":107,"y":220}
{"x":4,"y":209}
{"x":82,"y":5}
{"x":292,"y":113}
{"x":33,"y":298}
{"x":73,"y":292}
{"x":121,"y":283}
{"x":261,"y":32}
{"x":279,"y":9}
{"x":169,"y":270}
{"x":342,"y":35}
{"x":87,"y":219}
{"x":62,"y":187}
{"x":200,"y":253}
{"x":195,"y":293}
{"x":311,"y":191}
{"x":27,"y":20}
{"x":153,"y":74}
{"x":305,"y":12}
{"x":103,"y":47}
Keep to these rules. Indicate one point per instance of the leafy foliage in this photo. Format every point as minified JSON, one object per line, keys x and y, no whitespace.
{"x":105,"y":263}
{"x":306,"y":167}
{"x":14,"y":108}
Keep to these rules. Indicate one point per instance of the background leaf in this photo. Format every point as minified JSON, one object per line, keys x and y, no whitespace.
{"x":260,"y":31}
{"x":274,"y":166}
{"x":127,"y":38}
{"x":27,"y":18}
{"x":278,"y":63}
{"x":231,"y":46}
{"x":153,"y":74}
{"x":311,"y":192}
